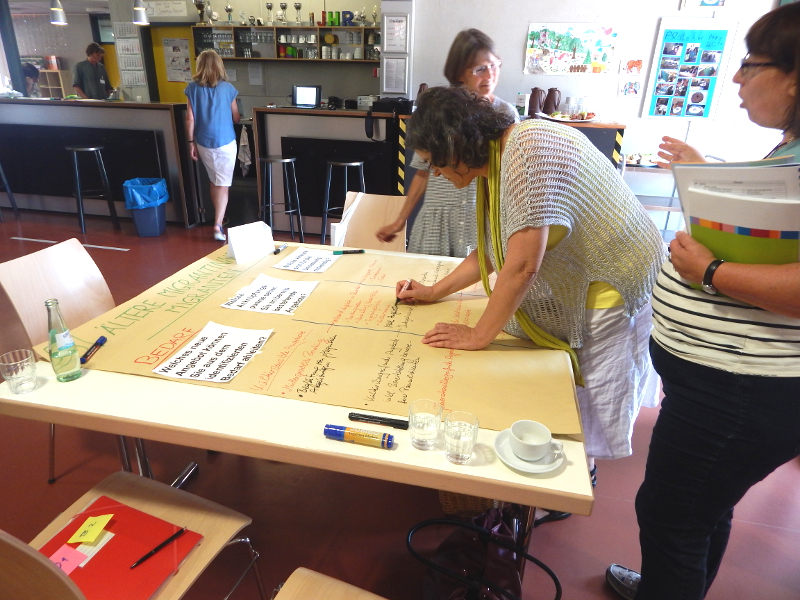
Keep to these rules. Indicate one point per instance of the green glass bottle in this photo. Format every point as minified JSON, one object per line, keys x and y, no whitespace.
{"x":63,"y":351}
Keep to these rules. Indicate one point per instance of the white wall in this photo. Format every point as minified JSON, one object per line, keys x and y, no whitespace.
{"x":37,"y":36}
{"x":730,"y":134}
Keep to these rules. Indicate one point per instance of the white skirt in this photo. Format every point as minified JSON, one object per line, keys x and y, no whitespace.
{"x":619,"y":378}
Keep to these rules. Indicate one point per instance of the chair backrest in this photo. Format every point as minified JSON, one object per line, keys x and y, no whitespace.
{"x":305,"y":584}
{"x":372,"y":212}
{"x":28,"y":575}
{"x":64,"y":271}
{"x":13,"y":335}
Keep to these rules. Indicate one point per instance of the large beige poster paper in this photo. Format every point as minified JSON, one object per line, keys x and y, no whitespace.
{"x":346,"y":344}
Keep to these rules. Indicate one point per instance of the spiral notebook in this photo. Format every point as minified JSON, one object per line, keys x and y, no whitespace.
{"x":108,"y":573}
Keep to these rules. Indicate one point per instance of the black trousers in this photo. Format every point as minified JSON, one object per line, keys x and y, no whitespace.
{"x":717,"y":434}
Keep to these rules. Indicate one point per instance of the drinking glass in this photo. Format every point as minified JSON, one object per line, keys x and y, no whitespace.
{"x":424,"y":417}
{"x":18,"y":367}
{"x":460,"y":435}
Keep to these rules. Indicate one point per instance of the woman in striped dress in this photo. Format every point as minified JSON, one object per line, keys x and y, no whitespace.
{"x":445,"y":224}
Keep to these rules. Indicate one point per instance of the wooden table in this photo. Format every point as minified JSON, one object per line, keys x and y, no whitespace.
{"x":287,"y":430}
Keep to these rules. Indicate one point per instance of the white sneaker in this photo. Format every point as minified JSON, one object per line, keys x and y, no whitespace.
{"x":624,"y":581}
{"x":218,"y":235}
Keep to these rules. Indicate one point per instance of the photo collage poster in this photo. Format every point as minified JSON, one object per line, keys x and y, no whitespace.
{"x":686,"y":71}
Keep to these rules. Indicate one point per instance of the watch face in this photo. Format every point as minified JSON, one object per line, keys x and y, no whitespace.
{"x":709,"y":289}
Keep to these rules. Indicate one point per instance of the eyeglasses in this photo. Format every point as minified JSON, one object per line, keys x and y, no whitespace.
{"x":428,"y":167}
{"x":483,"y":70}
{"x":746,"y":68}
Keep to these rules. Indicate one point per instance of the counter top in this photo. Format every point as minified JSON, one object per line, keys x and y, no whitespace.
{"x":320,"y":112}
{"x":95,"y":103}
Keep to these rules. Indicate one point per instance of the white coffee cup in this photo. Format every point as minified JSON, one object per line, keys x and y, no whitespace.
{"x":531,"y":441}
{"x":295,"y":39}
{"x":348,"y":56}
{"x":312,"y":39}
{"x":301,"y":39}
{"x":282,"y":39}
{"x":358,"y":54}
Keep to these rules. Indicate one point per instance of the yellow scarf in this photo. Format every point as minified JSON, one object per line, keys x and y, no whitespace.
{"x":535,"y":333}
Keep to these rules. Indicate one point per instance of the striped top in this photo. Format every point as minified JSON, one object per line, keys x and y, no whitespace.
{"x":721,"y":332}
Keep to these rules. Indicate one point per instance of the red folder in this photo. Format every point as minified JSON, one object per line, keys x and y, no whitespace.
{"x":108,"y":573}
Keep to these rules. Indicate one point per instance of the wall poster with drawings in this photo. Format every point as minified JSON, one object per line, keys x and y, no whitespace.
{"x":688,"y":68}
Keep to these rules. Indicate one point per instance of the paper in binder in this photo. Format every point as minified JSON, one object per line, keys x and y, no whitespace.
{"x":743,"y":212}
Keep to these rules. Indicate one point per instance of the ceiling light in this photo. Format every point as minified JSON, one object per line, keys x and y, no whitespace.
{"x":57,"y":14}
{"x":140,"y":13}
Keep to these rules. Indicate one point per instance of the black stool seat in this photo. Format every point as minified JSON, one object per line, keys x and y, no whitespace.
{"x":103,"y":193}
{"x":336,"y":211}
{"x":291,"y":198}
{"x":4,"y":186}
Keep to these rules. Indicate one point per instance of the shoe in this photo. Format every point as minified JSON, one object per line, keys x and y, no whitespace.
{"x":624,"y":581}
{"x":593,"y":475}
{"x":553,"y":515}
{"x":218,"y":234}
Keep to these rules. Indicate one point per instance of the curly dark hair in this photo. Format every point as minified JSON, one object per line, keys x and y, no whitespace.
{"x":455,"y":126}
{"x":777,"y":36}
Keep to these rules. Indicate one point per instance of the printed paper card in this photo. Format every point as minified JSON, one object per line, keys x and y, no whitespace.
{"x":307,"y":260}
{"x":270,"y":295}
{"x":216,"y":354}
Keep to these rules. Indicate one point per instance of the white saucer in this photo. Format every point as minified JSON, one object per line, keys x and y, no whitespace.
{"x":503,"y":448}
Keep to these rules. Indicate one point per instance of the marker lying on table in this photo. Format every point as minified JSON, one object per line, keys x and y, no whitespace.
{"x":362,"y":418}
{"x":349,"y":251}
{"x":93,"y":348}
{"x":279,"y":248}
{"x":359,"y":436}
{"x":402,"y":289}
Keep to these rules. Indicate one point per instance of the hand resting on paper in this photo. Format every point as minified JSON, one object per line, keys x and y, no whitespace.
{"x":677,"y":151}
{"x":459,"y":337}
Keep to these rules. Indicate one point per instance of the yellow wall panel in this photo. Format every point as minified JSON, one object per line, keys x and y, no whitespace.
{"x":170,"y":91}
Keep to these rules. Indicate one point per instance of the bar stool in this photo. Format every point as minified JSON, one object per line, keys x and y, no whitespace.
{"x":101,"y":194}
{"x":336,"y":211}
{"x":290,"y":196}
{"x":4,"y":186}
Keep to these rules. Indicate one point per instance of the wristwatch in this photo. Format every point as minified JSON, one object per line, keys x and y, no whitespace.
{"x":709,"y":276}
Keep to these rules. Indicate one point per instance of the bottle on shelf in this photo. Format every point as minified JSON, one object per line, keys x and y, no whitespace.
{"x":63,"y":351}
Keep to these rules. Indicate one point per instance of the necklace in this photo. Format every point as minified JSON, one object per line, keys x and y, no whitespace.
{"x":781,"y":145}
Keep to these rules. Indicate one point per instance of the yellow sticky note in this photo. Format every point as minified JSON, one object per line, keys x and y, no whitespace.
{"x":89,"y":531}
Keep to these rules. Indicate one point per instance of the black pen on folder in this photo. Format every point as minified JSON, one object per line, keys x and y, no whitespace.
{"x":161,"y":546}
{"x":362,"y":418}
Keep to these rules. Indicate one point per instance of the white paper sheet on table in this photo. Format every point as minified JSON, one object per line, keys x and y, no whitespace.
{"x":270,"y":295}
{"x":217,"y":353}
{"x":307,"y":260}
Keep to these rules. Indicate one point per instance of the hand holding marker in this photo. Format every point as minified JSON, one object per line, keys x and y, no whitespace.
{"x":402,"y":289}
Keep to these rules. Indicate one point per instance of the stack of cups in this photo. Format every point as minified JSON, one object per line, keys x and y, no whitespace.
{"x":326,"y":52}
{"x":358,"y":54}
{"x":336,"y":53}
{"x":348,"y":56}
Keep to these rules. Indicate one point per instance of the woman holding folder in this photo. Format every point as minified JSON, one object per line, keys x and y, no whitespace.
{"x":729,"y":359}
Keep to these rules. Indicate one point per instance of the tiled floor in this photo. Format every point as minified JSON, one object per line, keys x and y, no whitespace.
{"x":350,"y":527}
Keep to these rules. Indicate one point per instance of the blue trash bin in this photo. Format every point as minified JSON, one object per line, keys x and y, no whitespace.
{"x":145,"y":199}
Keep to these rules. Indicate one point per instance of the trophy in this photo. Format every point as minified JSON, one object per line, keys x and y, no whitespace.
{"x":269,"y":12}
{"x":229,"y":10}
{"x":374,"y":16}
{"x":242,"y":17}
{"x":200,"y":5}
{"x":297,"y":7}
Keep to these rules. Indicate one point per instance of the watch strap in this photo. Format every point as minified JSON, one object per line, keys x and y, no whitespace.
{"x":708,"y":277}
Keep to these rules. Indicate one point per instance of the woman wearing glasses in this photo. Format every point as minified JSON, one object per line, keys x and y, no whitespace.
{"x":445,"y":224}
{"x":728,"y":359}
{"x":575,"y":253}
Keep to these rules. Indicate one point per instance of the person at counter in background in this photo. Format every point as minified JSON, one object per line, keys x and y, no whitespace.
{"x":90,"y":79}
{"x":210,"y":116}
{"x":445,"y":224}
{"x":31,"y":74}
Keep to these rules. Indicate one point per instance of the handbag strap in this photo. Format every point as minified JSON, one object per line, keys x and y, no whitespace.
{"x":486,"y":536}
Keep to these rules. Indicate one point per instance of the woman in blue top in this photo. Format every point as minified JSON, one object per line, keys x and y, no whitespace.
{"x":210,"y":116}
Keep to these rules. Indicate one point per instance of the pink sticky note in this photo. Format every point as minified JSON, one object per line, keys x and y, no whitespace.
{"x":67,"y":558}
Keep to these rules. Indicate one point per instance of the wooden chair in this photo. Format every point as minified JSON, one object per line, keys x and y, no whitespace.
{"x":13,"y":335}
{"x":65,"y":271}
{"x":28,"y":575}
{"x":305,"y":584}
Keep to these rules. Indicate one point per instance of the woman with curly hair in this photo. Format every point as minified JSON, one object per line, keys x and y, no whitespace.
{"x":210,"y":115}
{"x":575,"y":253}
